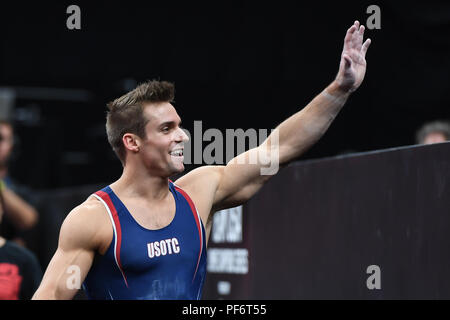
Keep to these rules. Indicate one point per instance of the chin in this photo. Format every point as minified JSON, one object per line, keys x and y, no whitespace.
{"x":176,"y":169}
{"x":181,"y":169}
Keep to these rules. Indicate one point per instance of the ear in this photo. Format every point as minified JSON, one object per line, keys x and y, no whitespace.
{"x":131,"y":142}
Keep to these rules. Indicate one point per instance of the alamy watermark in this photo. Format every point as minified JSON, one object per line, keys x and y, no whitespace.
{"x":220,"y":148}
{"x":73,"y":22}
{"x":374,"y":280}
{"x":73,"y":281}
{"x":374,"y":20}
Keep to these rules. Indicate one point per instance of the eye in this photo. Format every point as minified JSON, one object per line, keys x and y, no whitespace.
{"x":165,"y":129}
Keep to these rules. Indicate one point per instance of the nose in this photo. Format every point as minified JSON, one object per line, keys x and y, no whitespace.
{"x":181,"y":136}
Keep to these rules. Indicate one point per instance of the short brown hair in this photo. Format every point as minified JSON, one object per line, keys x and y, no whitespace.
{"x":126,"y":114}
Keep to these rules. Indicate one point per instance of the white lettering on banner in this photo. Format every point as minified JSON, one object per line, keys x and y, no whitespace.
{"x":163,"y":247}
{"x":227,"y":226}
{"x":221,"y":260}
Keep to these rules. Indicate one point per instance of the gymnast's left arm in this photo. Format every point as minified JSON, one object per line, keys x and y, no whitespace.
{"x":242,"y":177}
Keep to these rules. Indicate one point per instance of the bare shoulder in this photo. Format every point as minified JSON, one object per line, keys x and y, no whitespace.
{"x":201,"y":185}
{"x":91,"y":210}
{"x":86,"y":226}
{"x":201,"y":178}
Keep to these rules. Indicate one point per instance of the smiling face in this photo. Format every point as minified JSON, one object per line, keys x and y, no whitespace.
{"x":161,"y":151}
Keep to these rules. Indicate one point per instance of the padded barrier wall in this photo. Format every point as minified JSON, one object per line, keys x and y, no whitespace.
{"x":316,"y":227}
{"x":313,"y":230}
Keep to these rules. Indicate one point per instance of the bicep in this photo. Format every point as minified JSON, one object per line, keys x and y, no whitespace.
{"x":215,"y":188}
{"x":70,"y":263}
{"x":240,"y":179}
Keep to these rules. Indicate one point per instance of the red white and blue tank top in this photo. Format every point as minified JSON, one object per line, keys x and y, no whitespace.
{"x":167,"y":263}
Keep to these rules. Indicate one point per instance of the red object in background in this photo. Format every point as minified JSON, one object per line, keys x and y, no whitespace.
{"x":10,"y":281}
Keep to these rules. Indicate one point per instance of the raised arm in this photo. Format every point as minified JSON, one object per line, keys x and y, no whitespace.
{"x":242,"y":177}
{"x":80,"y":237}
{"x":303,"y":129}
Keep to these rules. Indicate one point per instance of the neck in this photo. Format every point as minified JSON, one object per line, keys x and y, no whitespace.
{"x":2,"y":242}
{"x":135,"y":183}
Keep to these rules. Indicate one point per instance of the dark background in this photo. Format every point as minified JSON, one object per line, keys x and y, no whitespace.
{"x":234,"y":64}
{"x":313,"y":230}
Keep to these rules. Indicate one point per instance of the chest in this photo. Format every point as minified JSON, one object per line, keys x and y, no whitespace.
{"x":178,"y":244}
{"x":152,"y":216}
{"x":152,"y":234}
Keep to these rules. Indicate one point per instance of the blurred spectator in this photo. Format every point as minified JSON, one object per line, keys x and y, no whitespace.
{"x":6,"y":146}
{"x":20,"y":272}
{"x":433,"y":132}
{"x":19,"y":216}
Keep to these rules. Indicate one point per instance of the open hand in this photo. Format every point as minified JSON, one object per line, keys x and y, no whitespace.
{"x":352,"y":67}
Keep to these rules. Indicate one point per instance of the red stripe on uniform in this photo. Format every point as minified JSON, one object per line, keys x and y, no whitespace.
{"x":194,"y":212}
{"x":115,"y":216}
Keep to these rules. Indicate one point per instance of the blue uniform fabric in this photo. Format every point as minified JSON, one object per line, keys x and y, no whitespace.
{"x":168,"y":263}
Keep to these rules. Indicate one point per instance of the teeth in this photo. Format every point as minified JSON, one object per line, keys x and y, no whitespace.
{"x":177,"y":153}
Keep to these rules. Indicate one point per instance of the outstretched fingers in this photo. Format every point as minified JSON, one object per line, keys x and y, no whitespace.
{"x":349,"y":36}
{"x":365,"y":46}
{"x":354,"y":38}
{"x":360,"y":37}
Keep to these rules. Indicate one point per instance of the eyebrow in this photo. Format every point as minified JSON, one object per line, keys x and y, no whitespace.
{"x":169,"y":123}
